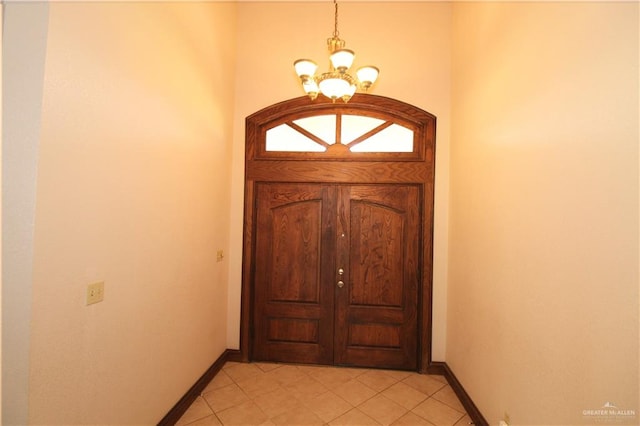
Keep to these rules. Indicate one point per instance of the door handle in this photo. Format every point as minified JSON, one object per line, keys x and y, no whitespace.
{"x":340,"y":271}
{"x":340,"y":284}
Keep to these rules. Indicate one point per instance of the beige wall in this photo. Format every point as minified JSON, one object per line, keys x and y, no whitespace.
{"x":133,"y":189}
{"x":411,"y":46}
{"x":23,"y":50}
{"x":543,"y":289}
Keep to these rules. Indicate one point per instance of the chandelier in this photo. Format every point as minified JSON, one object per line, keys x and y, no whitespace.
{"x":336,"y":83}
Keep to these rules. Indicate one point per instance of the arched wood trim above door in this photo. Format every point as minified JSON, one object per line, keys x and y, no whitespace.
{"x":336,"y":163}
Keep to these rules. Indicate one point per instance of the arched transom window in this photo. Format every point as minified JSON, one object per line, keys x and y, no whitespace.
{"x":356,"y":132}
{"x":367,"y":128}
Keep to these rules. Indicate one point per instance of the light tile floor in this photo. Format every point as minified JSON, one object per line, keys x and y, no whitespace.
{"x":292,"y":395}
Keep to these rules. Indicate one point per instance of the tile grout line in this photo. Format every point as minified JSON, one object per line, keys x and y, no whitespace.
{"x":247,"y":395}
{"x":308,"y":375}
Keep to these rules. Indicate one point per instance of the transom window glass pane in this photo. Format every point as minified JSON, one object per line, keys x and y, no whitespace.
{"x":323,"y":126}
{"x":354,"y":126}
{"x":284,"y":138}
{"x":394,"y":138}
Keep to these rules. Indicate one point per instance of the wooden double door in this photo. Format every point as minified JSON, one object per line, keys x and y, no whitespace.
{"x":337,"y":272}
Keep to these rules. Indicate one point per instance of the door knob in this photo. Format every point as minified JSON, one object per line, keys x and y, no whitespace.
{"x":340,"y":284}
{"x":340,"y":271}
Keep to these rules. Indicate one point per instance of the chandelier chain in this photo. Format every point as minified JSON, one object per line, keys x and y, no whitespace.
{"x":335,"y":30}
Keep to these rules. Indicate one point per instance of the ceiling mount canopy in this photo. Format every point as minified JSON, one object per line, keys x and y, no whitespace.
{"x":336,"y":83}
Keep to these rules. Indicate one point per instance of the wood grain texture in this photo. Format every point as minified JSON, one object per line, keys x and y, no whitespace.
{"x":325,"y":210}
{"x":379,"y":306}
{"x":338,"y":172}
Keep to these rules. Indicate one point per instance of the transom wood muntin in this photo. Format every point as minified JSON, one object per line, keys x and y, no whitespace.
{"x":338,"y":142}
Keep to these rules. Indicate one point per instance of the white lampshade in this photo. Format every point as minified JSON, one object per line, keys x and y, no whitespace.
{"x":310,"y":88}
{"x":334,"y":88}
{"x":367,"y":75}
{"x":342,"y":59}
{"x":305,"y":67}
{"x":349,"y":94}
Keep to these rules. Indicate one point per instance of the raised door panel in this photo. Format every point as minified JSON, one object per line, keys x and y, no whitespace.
{"x":293,"y":307}
{"x":379,"y":237}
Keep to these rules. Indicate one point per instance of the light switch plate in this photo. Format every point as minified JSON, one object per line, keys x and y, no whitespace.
{"x":95,"y":293}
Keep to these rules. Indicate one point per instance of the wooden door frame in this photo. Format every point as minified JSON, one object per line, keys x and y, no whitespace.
{"x":417,"y":168}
